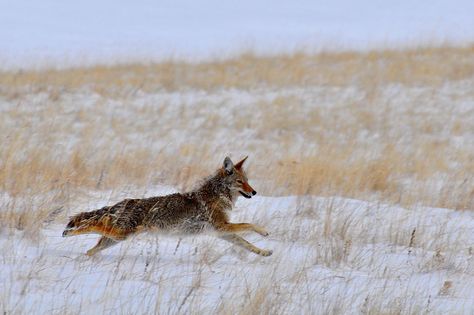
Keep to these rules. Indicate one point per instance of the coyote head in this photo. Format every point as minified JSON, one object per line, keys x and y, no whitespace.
{"x":236,"y":179}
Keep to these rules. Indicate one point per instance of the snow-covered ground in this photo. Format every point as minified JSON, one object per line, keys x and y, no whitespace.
{"x":331,"y":255}
{"x":62,"y":33}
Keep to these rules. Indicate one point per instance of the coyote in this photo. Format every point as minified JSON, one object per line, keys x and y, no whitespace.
{"x":200,"y":210}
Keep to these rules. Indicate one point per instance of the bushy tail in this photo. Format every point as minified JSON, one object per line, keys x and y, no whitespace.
{"x":84,"y":221}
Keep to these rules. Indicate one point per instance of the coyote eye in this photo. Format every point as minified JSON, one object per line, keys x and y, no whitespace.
{"x":239,"y":181}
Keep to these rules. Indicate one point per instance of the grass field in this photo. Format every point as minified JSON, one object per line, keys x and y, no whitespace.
{"x":392,"y":127}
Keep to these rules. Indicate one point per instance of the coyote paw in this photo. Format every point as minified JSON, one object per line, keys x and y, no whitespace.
{"x":90,"y":252}
{"x":261,"y":231}
{"x":266,"y":253}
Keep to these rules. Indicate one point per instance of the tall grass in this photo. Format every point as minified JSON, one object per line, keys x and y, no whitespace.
{"x":387,"y":125}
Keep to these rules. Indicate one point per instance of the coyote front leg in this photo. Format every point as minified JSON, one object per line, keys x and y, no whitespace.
{"x":242,"y":227}
{"x":104,"y":242}
{"x":239,"y":241}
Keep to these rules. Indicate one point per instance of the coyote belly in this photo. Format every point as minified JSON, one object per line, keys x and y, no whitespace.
{"x":204,"y":209}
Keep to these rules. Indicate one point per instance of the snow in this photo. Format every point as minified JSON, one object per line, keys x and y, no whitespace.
{"x":340,"y":255}
{"x":67,"y":33}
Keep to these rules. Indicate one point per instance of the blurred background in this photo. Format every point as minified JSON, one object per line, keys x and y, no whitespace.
{"x":356,"y":99}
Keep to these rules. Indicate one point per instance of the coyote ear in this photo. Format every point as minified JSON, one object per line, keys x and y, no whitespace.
{"x":228,"y":165}
{"x":239,"y":165}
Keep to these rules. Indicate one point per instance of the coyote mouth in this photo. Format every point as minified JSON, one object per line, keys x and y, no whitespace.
{"x":67,"y":231}
{"x":245,"y":195}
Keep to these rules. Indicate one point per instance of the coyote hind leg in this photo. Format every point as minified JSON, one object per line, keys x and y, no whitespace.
{"x":104,"y":242}
{"x":239,"y":241}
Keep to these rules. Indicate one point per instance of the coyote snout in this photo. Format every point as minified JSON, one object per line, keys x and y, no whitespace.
{"x":203,"y":209}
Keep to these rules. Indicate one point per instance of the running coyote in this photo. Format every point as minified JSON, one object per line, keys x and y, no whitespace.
{"x":203,"y":209}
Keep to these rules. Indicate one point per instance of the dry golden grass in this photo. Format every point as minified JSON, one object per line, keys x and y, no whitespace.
{"x":432,"y":66}
{"x":387,"y":125}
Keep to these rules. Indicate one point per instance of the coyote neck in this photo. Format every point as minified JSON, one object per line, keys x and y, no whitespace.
{"x":215,"y":190}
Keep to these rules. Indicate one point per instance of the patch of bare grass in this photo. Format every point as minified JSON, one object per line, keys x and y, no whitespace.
{"x":417,"y":66}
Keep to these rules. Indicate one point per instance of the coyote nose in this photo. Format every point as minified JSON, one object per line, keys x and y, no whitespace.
{"x":254,"y":192}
